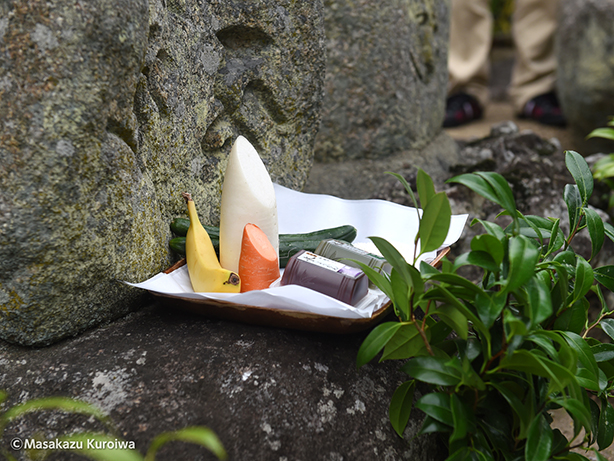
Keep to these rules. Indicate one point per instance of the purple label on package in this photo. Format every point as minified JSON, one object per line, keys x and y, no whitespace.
{"x":350,"y":271}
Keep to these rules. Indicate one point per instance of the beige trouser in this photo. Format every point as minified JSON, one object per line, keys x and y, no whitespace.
{"x":533,"y":27}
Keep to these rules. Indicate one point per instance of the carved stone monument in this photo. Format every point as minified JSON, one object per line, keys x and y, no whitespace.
{"x":109,"y":109}
{"x":384,"y":94}
{"x":585,"y":72}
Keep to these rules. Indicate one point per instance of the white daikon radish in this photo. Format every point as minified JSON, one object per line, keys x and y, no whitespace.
{"x":248,"y":196}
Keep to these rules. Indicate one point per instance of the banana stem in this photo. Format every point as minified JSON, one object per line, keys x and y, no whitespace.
{"x":187,"y":196}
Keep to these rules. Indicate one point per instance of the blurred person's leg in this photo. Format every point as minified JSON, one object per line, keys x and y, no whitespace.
{"x":533,"y":79}
{"x":471,"y":29}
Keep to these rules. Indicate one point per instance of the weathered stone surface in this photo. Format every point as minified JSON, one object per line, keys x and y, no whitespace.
{"x":363,"y":178}
{"x":268,"y":394}
{"x":585,"y":72}
{"x":109,"y":109}
{"x":386,"y":77}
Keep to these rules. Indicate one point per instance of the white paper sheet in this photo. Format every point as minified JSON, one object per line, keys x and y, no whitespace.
{"x":299,"y":212}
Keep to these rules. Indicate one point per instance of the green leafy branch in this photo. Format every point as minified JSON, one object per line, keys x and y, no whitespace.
{"x":500,"y":354}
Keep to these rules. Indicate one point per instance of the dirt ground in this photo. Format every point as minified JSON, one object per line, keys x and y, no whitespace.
{"x":499,"y":110}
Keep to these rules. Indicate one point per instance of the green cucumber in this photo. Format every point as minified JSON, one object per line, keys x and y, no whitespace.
{"x":289,"y":249}
{"x":180,"y":227}
{"x":289,"y":244}
{"x":177,"y":244}
{"x":346,"y":233}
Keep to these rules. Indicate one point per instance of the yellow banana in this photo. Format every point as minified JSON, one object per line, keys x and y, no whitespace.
{"x":206,"y":273}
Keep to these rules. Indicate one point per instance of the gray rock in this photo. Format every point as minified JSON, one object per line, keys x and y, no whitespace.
{"x":585,"y":72}
{"x":363,"y":178}
{"x":109,"y":109}
{"x":268,"y":394}
{"x":386,"y":77}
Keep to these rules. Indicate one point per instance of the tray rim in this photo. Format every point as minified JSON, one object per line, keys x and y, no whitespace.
{"x":273,"y":317}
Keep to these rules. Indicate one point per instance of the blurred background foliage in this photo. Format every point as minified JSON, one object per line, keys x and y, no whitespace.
{"x":502,"y":12}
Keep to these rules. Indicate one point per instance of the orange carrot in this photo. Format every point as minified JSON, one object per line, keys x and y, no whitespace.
{"x":258,"y":263}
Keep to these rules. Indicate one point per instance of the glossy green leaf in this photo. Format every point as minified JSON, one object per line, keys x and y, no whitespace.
{"x":502,"y":190}
{"x":426,"y":270}
{"x":595,"y":411}
{"x":514,"y":326}
{"x":441,"y":293}
{"x":489,"y":244}
{"x":491,"y":228}
{"x":410,"y":274}
{"x":426,"y":189}
{"x":564,"y":354}
{"x":376,"y":341}
{"x":489,"y":307}
{"x":523,"y":257}
{"x":460,"y":416}
{"x":603,"y":352}
{"x":477,"y":184}
{"x":581,"y":173}
{"x":401,"y":295}
{"x":573,"y":199}
{"x":609,"y":230}
{"x":605,"y":276}
{"x":596,"y":231}
{"x":435,"y":223}
{"x":529,"y":362}
{"x":519,"y":407}
{"x":585,"y":354}
{"x":469,"y":376}
{"x":458,"y":284}
{"x":607,"y":325}
{"x":431,"y":425}
{"x":605,"y":433}
{"x":568,"y":260}
{"x":437,"y":406}
{"x":400,"y":406}
{"x":604,"y":167}
{"x":405,"y":343}
{"x":439,"y":330}
{"x":406,"y":185}
{"x":575,"y":456}
{"x":454,"y":318}
{"x":540,"y":302}
{"x":576,"y":410}
{"x":606,"y":133}
{"x":434,"y":370}
{"x":584,"y":279}
{"x":378,"y":278}
{"x":198,"y":435}
{"x":574,"y":318}
{"x":599,"y":456}
{"x":536,"y":227}
{"x":477,"y":258}
{"x":557,"y":239}
{"x":539,"y":440}
{"x":587,"y":379}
